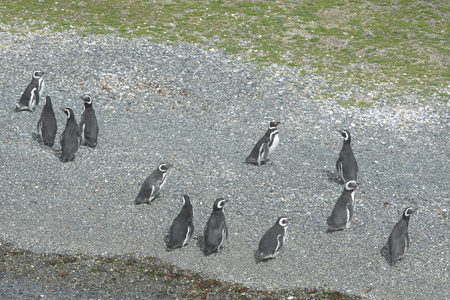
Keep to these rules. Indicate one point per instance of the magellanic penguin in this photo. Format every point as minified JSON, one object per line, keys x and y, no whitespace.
{"x":33,"y":93}
{"x":88,"y":123}
{"x":70,"y":138}
{"x":46,"y":125}
{"x":398,"y":241}
{"x":272,"y":241}
{"x":182,"y":227}
{"x":346,"y":164}
{"x":341,"y":217}
{"x":153,"y":184}
{"x":265,"y":146}
{"x":216,"y":230}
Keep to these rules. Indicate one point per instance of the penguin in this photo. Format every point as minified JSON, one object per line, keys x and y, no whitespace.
{"x":265,"y":146}
{"x":70,"y":138}
{"x":346,"y":164}
{"x":398,"y":242}
{"x":88,"y":123}
{"x":272,"y":241}
{"x":33,"y":93}
{"x":342,"y":214}
{"x":216,"y":230}
{"x":46,"y":125}
{"x":182,"y":227}
{"x":153,"y":184}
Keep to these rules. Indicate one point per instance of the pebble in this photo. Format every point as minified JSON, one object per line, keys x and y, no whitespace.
{"x":211,"y":112}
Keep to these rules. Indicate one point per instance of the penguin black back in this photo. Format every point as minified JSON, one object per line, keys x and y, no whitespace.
{"x":265,"y":146}
{"x":346,"y":164}
{"x":272,"y":241}
{"x":32,"y":94}
{"x":342,"y":214}
{"x":46,"y":125}
{"x":398,"y":241}
{"x":182,"y":227}
{"x":216,"y":230}
{"x":88,"y":123}
{"x":70,"y":138}
{"x":153,"y":184}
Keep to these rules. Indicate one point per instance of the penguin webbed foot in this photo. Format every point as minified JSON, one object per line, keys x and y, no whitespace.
{"x":333,"y":229}
{"x":267,"y":162}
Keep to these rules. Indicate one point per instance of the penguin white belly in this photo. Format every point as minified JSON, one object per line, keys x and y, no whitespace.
{"x":163,"y":181}
{"x":349,"y":222}
{"x":274,"y":145}
{"x":41,"y":88}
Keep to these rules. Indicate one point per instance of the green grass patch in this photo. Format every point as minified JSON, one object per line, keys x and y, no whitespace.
{"x":405,"y":41}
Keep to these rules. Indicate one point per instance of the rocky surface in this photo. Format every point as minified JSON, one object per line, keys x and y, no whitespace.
{"x":202,"y":110}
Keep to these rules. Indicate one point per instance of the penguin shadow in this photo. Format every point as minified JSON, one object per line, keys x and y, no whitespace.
{"x":166,"y":240}
{"x":265,"y":163}
{"x":333,"y":177}
{"x":201,"y":243}
{"x":259,"y":261}
{"x":56,"y":151}
{"x":384,"y":252}
{"x":35,"y":136}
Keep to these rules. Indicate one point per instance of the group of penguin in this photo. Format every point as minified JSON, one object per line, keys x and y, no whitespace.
{"x":74,"y":134}
{"x":216,"y":230}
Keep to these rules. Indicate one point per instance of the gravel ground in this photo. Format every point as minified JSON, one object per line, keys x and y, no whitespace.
{"x":203,"y":110}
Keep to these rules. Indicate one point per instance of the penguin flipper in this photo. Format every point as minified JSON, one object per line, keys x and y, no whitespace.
{"x":36,"y":96}
{"x":265,"y":154}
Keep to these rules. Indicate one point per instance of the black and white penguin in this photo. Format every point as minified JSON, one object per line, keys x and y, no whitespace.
{"x":70,"y":138}
{"x":33,"y":93}
{"x":346,"y":164}
{"x":398,"y":241}
{"x":182,"y":227}
{"x":46,"y":125}
{"x":216,"y":230}
{"x":272,"y":241}
{"x":265,"y":146}
{"x":153,"y":184}
{"x":341,"y":217}
{"x":88,"y":123}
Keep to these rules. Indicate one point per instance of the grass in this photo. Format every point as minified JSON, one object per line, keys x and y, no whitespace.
{"x":403,"y":42}
{"x":366,"y":43}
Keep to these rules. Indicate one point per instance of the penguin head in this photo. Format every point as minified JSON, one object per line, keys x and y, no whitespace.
{"x":283,"y":221}
{"x":350,"y":185}
{"x":273,"y":124}
{"x":219,"y":203}
{"x":186,"y":200}
{"x":38,"y":74}
{"x":346,"y":134}
{"x":87,"y":99}
{"x":408,"y":212}
{"x":163,"y":167}
{"x":69,"y":113}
